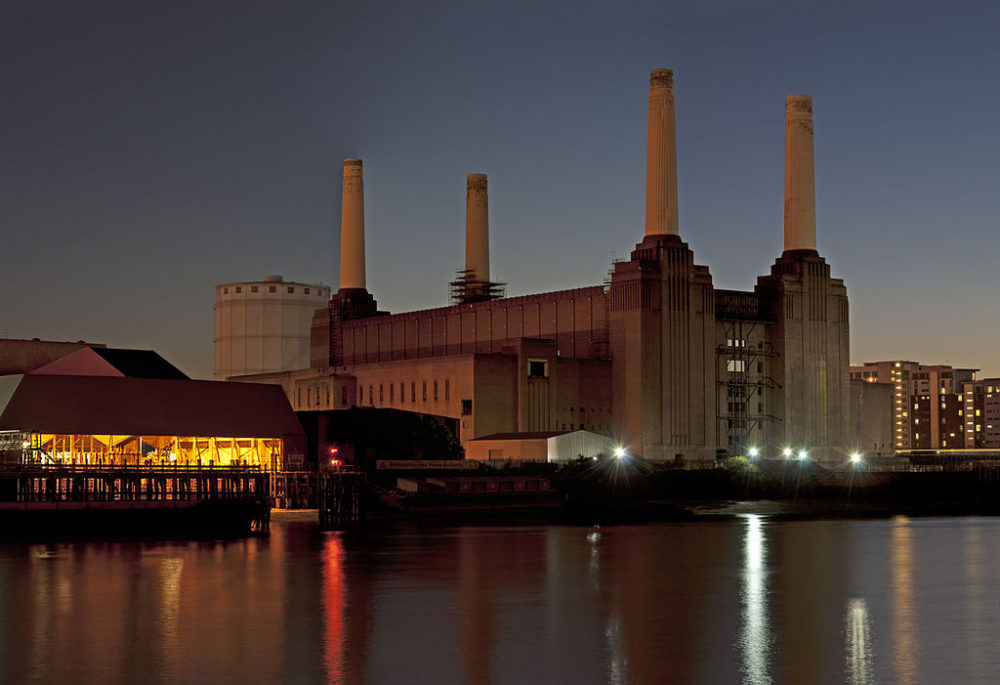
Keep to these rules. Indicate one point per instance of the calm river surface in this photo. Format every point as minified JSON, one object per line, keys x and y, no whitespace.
{"x":751,"y":600}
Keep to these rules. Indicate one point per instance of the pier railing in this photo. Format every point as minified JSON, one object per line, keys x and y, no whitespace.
{"x":130,"y":483}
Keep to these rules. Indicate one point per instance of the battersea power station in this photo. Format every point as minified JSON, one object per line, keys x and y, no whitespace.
{"x":656,"y":358}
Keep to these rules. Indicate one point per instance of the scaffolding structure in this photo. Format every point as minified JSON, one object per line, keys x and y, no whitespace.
{"x":741,"y":369}
{"x":466,"y":289}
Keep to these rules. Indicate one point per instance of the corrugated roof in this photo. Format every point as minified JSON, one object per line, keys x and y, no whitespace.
{"x":148,"y":406}
{"x":538,"y":435}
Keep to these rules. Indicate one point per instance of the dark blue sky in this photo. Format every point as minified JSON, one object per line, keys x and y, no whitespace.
{"x":149,"y":150}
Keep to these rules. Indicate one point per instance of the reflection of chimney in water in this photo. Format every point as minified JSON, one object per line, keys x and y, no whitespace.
{"x":477,"y":229}
{"x":800,"y":178}
{"x":661,"y":156}
{"x":352,"y":227}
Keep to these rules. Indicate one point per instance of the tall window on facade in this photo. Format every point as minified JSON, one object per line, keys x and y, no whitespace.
{"x":447,"y":390}
{"x":343,"y":396}
{"x":392,"y":393}
{"x":435,"y":391}
{"x":466,"y":407}
{"x":371,"y":394}
{"x":413,"y":391}
{"x":538,"y":368}
{"x":424,"y":390}
{"x":402,"y":392}
{"x":381,"y":394}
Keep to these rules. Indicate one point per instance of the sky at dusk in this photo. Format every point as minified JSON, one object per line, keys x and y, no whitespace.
{"x":149,"y":150}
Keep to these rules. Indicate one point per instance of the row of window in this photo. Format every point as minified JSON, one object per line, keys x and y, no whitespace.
{"x":402,"y":392}
{"x":270,"y":289}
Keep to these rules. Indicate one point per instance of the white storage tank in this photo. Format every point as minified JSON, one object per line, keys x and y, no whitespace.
{"x":263,"y":326}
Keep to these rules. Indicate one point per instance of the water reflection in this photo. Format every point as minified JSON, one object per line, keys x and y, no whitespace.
{"x":858,"y":643}
{"x":977,"y":600}
{"x":333,"y":609}
{"x":753,"y":601}
{"x":904,"y":632}
{"x":755,"y":639}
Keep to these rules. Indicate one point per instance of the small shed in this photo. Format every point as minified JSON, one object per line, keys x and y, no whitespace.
{"x":548,"y":446}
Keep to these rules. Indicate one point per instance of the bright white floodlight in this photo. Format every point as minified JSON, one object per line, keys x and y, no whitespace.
{"x":855,"y":458}
{"x":620,"y":452}
{"x":753,"y":452}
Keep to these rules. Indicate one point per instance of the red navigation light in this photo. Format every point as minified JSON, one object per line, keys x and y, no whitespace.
{"x":336,"y":462}
{"x":333,"y":450}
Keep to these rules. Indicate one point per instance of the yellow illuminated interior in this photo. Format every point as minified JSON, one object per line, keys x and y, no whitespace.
{"x":48,"y":448}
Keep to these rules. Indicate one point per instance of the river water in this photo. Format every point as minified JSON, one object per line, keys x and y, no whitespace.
{"x":749,"y":600}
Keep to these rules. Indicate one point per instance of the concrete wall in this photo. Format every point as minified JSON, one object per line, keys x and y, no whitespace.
{"x":870,"y":424}
{"x":574,"y":319}
{"x":663,"y":332}
{"x":811,"y":336}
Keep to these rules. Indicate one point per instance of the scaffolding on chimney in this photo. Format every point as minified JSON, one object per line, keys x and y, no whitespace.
{"x":465,"y":289}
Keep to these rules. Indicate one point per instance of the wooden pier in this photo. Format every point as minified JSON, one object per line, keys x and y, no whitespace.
{"x":341,"y":499}
{"x":136,"y":498}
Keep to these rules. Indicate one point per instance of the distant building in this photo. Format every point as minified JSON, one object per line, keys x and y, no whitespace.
{"x":21,"y":356}
{"x":264,"y":326}
{"x":981,"y":408}
{"x":928,"y":402}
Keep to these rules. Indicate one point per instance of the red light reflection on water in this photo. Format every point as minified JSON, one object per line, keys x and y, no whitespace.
{"x":334,"y":601}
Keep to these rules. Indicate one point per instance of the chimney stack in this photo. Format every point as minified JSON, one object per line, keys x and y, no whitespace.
{"x":661,"y":156}
{"x":477,"y":229}
{"x":352,"y":228}
{"x":800,"y":178}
